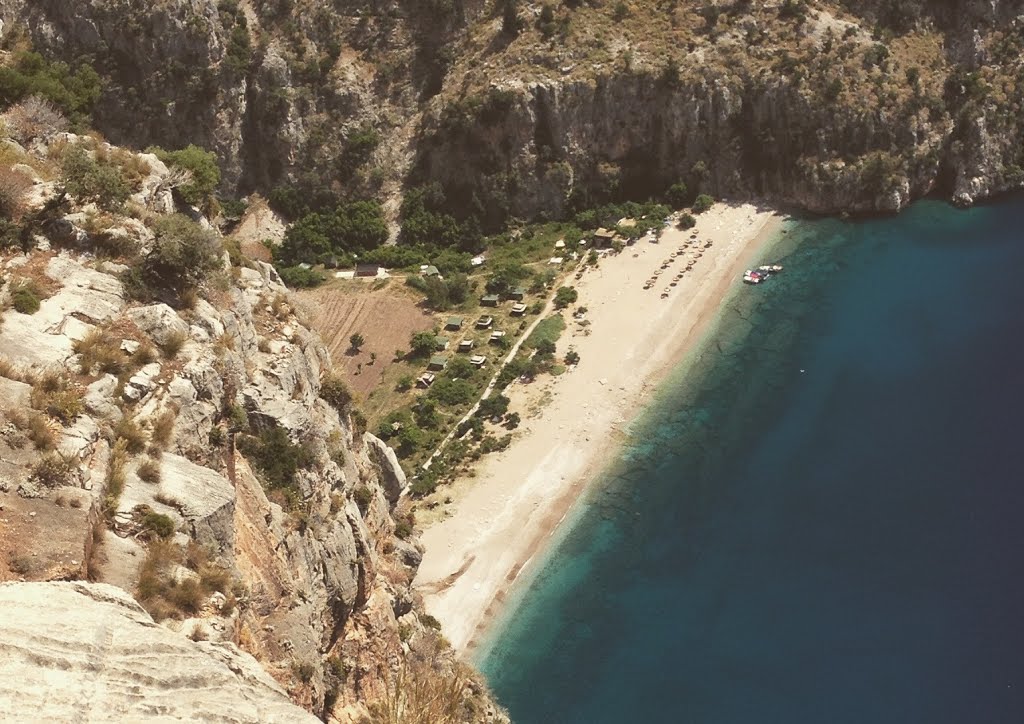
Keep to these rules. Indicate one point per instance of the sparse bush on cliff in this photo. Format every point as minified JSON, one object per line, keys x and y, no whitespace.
{"x":55,"y":470}
{"x":336,"y":393}
{"x":201,"y":165}
{"x":359,"y":147}
{"x":363,"y":496}
{"x":165,"y":594}
{"x":55,"y":394}
{"x":100,"y":350}
{"x":34,"y":118}
{"x":278,"y":461}
{"x":511,"y":25}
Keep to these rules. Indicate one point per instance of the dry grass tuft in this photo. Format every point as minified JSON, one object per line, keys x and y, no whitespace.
{"x":14,"y":184}
{"x":162,"y":429}
{"x":100,"y":350}
{"x":128,"y":431}
{"x":149,"y":471}
{"x":172,"y":344}
{"x":56,"y":395}
{"x":162,"y":595}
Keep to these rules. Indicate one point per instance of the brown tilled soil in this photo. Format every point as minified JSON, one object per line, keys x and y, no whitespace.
{"x":386,"y":317}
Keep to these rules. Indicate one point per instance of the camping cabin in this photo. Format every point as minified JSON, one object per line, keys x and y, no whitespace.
{"x":497,"y":335}
{"x":426,"y":379}
{"x":518,"y":309}
{"x":485,"y":322}
{"x":465,"y":345}
{"x":440,"y":343}
{"x":429,"y":270}
{"x":603,"y":238}
{"x":489,"y":300}
{"x":367,"y":270}
{"x":453,"y":323}
{"x":438,"y":362}
{"x":477,"y":360}
{"x":518,"y":294}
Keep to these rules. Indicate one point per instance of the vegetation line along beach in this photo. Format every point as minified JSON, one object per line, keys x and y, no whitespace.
{"x":631,"y":338}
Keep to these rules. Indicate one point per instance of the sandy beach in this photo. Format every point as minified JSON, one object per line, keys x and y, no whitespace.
{"x":500,"y":518}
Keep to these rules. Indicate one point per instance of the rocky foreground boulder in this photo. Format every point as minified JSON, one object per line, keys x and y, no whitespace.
{"x":87,"y":652}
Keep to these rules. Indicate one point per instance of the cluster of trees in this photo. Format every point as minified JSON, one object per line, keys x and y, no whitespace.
{"x":74,"y":90}
{"x":648,"y":215}
{"x":336,"y":236}
{"x":505,"y":278}
{"x":425,"y":221}
{"x":440,"y":293}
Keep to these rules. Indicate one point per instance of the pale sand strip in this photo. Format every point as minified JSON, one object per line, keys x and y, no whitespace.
{"x":503,"y":516}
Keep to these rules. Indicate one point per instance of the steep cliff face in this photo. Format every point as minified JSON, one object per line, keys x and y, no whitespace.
{"x":826,"y":111}
{"x":188,"y":455}
{"x":854,"y":105}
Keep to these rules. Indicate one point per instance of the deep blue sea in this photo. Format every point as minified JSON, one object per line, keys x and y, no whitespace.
{"x":822,"y":518}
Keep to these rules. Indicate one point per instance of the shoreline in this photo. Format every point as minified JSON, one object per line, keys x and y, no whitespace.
{"x":505,"y":514}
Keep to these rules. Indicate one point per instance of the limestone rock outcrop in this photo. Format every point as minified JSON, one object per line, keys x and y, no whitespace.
{"x":87,"y":652}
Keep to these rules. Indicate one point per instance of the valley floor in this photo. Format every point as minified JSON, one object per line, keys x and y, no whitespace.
{"x":629,"y":338}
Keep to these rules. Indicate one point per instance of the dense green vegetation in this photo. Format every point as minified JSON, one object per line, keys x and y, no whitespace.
{"x":335,"y":236}
{"x":73,"y":90}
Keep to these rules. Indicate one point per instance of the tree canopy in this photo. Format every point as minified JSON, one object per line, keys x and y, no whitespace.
{"x":350,"y":228}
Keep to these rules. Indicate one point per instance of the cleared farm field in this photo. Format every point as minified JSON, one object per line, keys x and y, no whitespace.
{"x":385,"y":315}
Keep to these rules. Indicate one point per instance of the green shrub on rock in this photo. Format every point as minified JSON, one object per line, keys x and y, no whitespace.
{"x":183,"y":256}
{"x":87,"y":179}
{"x":201,"y":166}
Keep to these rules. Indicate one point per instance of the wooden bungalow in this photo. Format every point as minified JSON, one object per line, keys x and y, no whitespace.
{"x":603,"y":238}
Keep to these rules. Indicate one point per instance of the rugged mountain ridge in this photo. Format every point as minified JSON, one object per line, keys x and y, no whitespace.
{"x":858,"y":105}
{"x":200,"y":457}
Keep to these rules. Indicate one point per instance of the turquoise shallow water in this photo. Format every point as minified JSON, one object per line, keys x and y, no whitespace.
{"x":821,"y":521}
